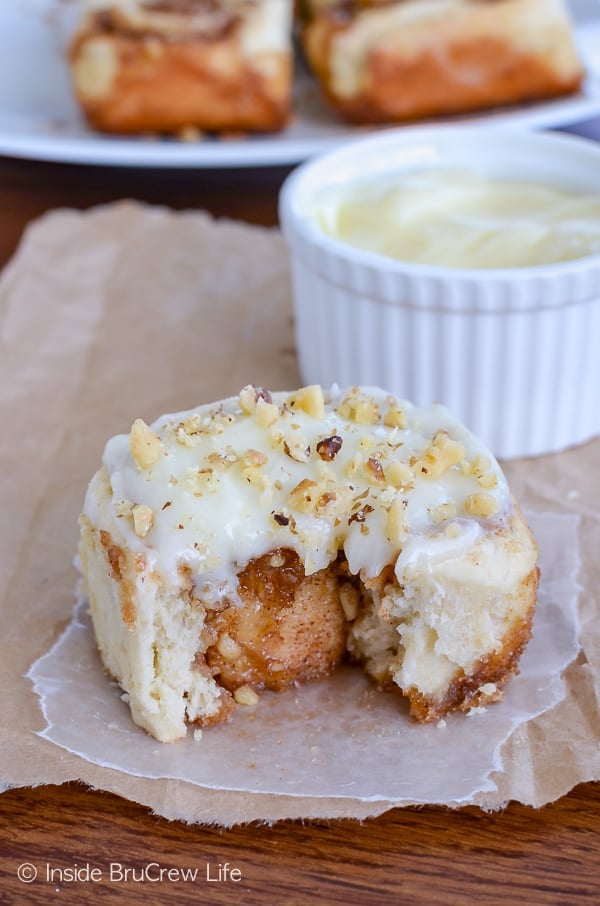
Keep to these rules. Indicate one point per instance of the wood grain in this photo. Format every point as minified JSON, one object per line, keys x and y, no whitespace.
{"x":30,"y":188}
{"x":408,"y":856}
{"x":549,"y":857}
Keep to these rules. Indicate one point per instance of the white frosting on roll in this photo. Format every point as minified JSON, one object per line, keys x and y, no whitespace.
{"x":355,"y":471}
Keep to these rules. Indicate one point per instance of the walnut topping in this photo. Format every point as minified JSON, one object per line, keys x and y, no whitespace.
{"x":266,"y":413}
{"x":326,"y":500}
{"x":395,"y":524}
{"x":350,"y":600}
{"x":144,"y":445}
{"x":249,"y":398}
{"x":190,"y":432}
{"x":303,"y":496}
{"x":223,"y":459}
{"x":361,"y":514}
{"x":199,"y":481}
{"x":359,"y":407}
{"x":441,"y":454}
{"x":245,"y":695}
{"x":478,"y":466}
{"x":329,"y":447}
{"x":123,"y":508}
{"x":399,"y":474}
{"x":297,"y":448}
{"x":253,"y":458}
{"x":228,"y":647}
{"x":481,"y":504}
{"x":143,"y":519}
{"x":374,"y":470}
{"x":280,"y":519}
{"x":252,"y":463}
{"x":308,"y":399}
{"x":395,"y":417}
{"x":442,"y":512}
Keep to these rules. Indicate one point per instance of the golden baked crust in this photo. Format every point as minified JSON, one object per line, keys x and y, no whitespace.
{"x":468,"y":690}
{"x":129,"y":81}
{"x":482,"y":54}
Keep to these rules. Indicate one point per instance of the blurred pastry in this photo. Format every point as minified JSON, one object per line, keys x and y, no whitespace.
{"x":394,"y":60}
{"x":183,"y":66}
{"x":254,"y":543}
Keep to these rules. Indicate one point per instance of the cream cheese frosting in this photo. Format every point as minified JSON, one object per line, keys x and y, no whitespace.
{"x":355,"y":470}
{"x":455,"y":218}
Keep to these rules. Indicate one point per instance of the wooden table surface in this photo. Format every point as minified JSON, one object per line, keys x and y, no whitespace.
{"x":408,"y":856}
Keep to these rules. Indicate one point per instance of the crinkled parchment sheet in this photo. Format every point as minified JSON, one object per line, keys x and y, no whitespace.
{"x":129,"y":311}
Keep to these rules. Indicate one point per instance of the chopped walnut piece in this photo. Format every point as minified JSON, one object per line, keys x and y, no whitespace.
{"x":443,"y":511}
{"x":252,"y":463}
{"x":144,"y":445}
{"x":395,"y":417}
{"x":256,"y":477}
{"x":247,"y":399}
{"x":309,"y":399}
{"x":359,"y":407}
{"x":143,"y":519}
{"x":441,"y":454}
{"x":266,"y":413}
{"x":228,"y":647}
{"x":374,"y":470}
{"x":395,"y":524}
{"x":481,"y":504}
{"x":350,"y":600}
{"x":245,"y":695}
{"x":489,"y":480}
{"x":223,"y":459}
{"x":399,"y":474}
{"x":304,"y":496}
{"x":329,"y":447}
{"x":199,"y":481}
{"x":297,"y":448}
{"x":478,"y":466}
{"x":281,"y":519}
{"x":218,"y":422}
{"x":253,"y":458}
{"x":361,"y":514}
{"x":123,"y":508}
{"x":326,"y":500}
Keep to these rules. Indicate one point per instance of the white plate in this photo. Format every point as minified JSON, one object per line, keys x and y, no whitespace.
{"x":40,"y":120}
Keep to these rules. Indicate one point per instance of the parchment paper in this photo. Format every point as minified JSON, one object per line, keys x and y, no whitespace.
{"x":128,"y":311}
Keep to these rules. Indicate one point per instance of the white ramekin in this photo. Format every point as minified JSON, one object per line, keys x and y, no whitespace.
{"x":515,"y":353}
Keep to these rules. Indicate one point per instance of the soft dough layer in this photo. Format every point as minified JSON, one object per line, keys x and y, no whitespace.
{"x":252,"y":544}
